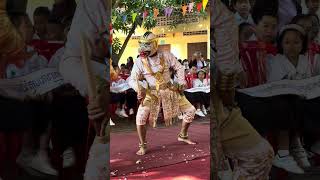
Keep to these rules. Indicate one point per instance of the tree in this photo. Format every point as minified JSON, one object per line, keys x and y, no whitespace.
{"x":127,"y":15}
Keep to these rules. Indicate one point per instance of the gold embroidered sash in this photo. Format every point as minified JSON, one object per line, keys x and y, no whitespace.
{"x":168,"y":98}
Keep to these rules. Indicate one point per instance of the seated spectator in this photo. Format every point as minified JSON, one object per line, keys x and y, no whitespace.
{"x":191,"y":76}
{"x":291,"y":63}
{"x":185,"y":63}
{"x":202,"y":81}
{"x":310,"y":23}
{"x":40,"y":160}
{"x":266,"y":24}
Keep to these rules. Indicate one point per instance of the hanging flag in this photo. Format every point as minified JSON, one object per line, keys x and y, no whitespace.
{"x":134,"y":15}
{"x":184,"y":9}
{"x":145,"y":14}
{"x":114,"y":18}
{"x":155,"y":12}
{"x":124,"y":18}
{"x":190,"y":7}
{"x":199,"y":6}
{"x":122,"y":10}
{"x":166,"y":11}
{"x":204,"y":4}
{"x":170,"y":11}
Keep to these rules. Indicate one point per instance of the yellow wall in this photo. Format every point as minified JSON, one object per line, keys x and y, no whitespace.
{"x":178,"y":43}
{"x":174,"y":37}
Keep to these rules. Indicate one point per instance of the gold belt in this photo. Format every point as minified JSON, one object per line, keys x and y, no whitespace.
{"x":162,"y":86}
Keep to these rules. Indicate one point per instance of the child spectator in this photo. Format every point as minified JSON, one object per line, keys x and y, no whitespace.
{"x":191,"y":76}
{"x":260,"y":111}
{"x":185,"y":63}
{"x":312,"y":6}
{"x":266,"y":25}
{"x":203,"y":98}
{"x":34,"y":62}
{"x":242,"y":8}
{"x":40,"y":19}
{"x":39,"y":161}
{"x":55,"y":30}
{"x":119,"y":98}
{"x":310,"y":23}
{"x":291,"y":63}
{"x":253,"y":56}
{"x":56,"y":58}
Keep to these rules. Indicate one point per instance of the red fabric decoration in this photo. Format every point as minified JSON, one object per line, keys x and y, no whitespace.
{"x":253,"y":60}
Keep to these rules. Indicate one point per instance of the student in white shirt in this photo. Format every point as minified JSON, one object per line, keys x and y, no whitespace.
{"x":27,"y":159}
{"x":201,"y":97}
{"x":242,"y":14}
{"x":292,"y":64}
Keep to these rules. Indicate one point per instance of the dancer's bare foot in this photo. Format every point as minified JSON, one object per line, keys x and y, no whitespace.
{"x":185,"y":139}
{"x":142,"y":149}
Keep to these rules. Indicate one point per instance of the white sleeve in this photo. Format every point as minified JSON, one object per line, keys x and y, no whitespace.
{"x":275,"y":70}
{"x":195,"y":83}
{"x":133,"y":81}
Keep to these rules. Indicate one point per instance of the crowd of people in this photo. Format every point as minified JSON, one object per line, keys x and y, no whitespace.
{"x":197,"y":74}
{"x":278,"y":41}
{"x":52,"y":114}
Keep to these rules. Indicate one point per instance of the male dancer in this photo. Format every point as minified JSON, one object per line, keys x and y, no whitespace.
{"x":153,"y":66}
{"x":251,"y":153}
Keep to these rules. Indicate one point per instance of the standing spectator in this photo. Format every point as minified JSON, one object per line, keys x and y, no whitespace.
{"x":197,"y":60}
{"x":130,"y":63}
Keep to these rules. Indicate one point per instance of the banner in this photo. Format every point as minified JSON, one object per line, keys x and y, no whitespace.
{"x":199,"y":89}
{"x":307,"y":88}
{"x":33,"y":84}
{"x":119,"y":88}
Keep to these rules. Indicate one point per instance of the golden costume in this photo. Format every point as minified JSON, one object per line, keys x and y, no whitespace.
{"x":10,"y":39}
{"x":159,"y":91}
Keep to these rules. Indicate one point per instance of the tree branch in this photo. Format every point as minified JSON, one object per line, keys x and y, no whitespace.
{"x":124,"y":45}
